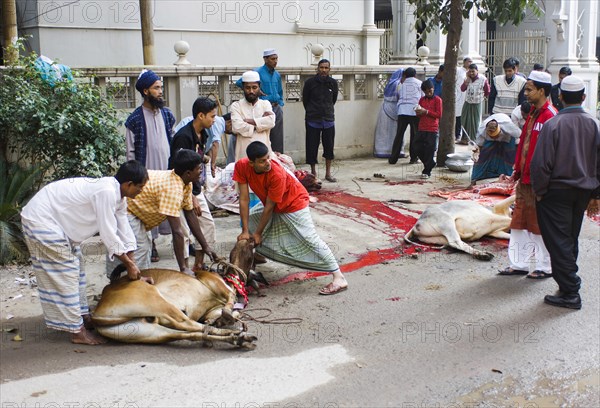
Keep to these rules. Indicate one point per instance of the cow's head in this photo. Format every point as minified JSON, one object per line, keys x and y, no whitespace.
{"x":242,"y":255}
{"x":308,"y":180}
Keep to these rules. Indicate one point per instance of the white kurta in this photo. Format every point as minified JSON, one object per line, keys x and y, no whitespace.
{"x":82,"y":207}
{"x":245,"y":132}
{"x":157,"y":144}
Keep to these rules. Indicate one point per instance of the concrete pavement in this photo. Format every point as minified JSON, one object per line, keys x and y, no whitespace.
{"x":415,"y":329}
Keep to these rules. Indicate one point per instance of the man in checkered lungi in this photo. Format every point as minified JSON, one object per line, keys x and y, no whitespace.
{"x":163,"y":197}
{"x":282,"y":228}
{"x":55,"y":222}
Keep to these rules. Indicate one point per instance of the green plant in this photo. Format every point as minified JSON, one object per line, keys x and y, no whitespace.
{"x":17,"y":187}
{"x":68,"y":127}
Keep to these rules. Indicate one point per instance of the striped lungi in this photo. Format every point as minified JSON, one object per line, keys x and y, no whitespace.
{"x":291,"y":238}
{"x":58,"y":266}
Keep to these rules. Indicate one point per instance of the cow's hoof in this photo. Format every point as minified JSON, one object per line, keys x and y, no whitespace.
{"x":246,"y":341}
{"x":483,"y":256}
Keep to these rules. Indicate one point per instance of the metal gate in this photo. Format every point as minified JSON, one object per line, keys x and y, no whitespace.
{"x":385,"y":41}
{"x":528,"y":46}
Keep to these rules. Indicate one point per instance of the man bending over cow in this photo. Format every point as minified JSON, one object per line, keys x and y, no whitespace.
{"x":164,"y":196}
{"x":57,"y":219}
{"x":282,"y":228}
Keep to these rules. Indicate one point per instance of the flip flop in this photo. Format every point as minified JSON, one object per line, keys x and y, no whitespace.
{"x":539,"y":275}
{"x":331,"y":179}
{"x":154,"y":255}
{"x":332,"y":289}
{"x":510,"y":272}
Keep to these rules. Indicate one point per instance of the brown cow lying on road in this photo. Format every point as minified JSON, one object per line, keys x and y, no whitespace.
{"x":169,"y":310}
{"x":453,"y":222}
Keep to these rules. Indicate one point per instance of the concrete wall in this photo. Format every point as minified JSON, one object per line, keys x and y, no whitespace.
{"x":107,"y":33}
{"x":354,"y":129}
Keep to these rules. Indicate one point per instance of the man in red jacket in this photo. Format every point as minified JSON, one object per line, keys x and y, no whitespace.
{"x":525,"y":237}
{"x":429,"y":111}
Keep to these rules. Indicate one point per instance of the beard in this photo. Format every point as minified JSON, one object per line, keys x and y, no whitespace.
{"x":157,"y":103}
{"x":251,"y":97}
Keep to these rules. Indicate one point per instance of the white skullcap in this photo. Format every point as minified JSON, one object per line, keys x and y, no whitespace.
{"x":250,"y":76}
{"x":572,"y":83}
{"x":539,"y":76}
{"x":269,"y":51}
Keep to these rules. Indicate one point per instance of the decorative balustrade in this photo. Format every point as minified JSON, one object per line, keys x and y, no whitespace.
{"x":360,"y":93}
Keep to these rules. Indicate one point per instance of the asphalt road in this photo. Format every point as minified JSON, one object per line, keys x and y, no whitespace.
{"x":414,"y":329}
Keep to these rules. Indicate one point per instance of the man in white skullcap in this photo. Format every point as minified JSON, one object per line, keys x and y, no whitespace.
{"x":565,"y":174}
{"x":251,"y":118}
{"x":526,"y":241}
{"x":271,"y":90}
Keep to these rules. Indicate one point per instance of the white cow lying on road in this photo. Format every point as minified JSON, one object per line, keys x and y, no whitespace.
{"x":453,"y":222}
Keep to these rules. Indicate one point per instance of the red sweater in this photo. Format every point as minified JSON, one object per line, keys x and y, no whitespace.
{"x":430,"y":122}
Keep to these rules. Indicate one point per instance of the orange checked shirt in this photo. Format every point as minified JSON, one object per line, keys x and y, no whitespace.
{"x":164,"y":195}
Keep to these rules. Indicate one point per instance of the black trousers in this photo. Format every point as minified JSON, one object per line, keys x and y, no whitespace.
{"x":276,"y":134}
{"x":560,"y":215}
{"x":403,"y":122}
{"x":458,"y":128}
{"x":425,"y":147}
{"x":314,"y":137}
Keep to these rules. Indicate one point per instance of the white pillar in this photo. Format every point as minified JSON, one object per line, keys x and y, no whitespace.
{"x":436,"y":41}
{"x":405,"y":34}
{"x":371,"y":34}
{"x":369,"y":18}
{"x":470,"y":37}
{"x":561,"y":26}
{"x":572,"y":28}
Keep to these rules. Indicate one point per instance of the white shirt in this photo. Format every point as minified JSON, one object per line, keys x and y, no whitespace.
{"x":517,"y":117}
{"x":80,"y":208}
{"x":245,"y":132}
{"x":408,"y":96}
{"x":461,"y":74}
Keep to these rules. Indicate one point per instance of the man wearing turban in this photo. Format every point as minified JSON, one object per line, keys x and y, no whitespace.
{"x":150,"y":131}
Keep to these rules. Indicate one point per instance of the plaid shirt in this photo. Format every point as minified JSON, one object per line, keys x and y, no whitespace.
{"x":164,"y":195}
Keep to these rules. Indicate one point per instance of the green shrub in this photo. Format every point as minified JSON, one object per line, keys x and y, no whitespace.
{"x":68,"y":128}
{"x":17,"y":187}
{"x":49,"y":132}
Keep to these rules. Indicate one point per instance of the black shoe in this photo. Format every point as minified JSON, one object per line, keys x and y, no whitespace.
{"x":392,"y":161}
{"x":415,"y":161}
{"x":568,"y":300}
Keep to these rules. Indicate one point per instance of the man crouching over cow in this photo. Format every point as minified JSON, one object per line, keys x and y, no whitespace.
{"x":163,"y":197}
{"x":282,"y":228}
{"x":55,"y":222}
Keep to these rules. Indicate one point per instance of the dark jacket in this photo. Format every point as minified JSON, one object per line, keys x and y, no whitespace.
{"x":554,"y":92}
{"x":318,"y":97}
{"x":186,"y":138}
{"x":567,"y":154}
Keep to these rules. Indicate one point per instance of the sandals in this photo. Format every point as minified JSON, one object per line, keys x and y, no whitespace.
{"x":154,"y":255}
{"x":331,"y":179}
{"x":539,"y":275}
{"x":511,"y":272}
{"x":332,"y":289}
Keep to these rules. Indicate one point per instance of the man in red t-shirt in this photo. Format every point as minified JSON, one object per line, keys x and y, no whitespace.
{"x":282,"y":227}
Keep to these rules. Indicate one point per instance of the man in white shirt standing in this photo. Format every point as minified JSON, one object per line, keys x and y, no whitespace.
{"x":408,"y":99}
{"x":461,"y":74}
{"x":251,"y":118}
{"x":55,"y":222}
